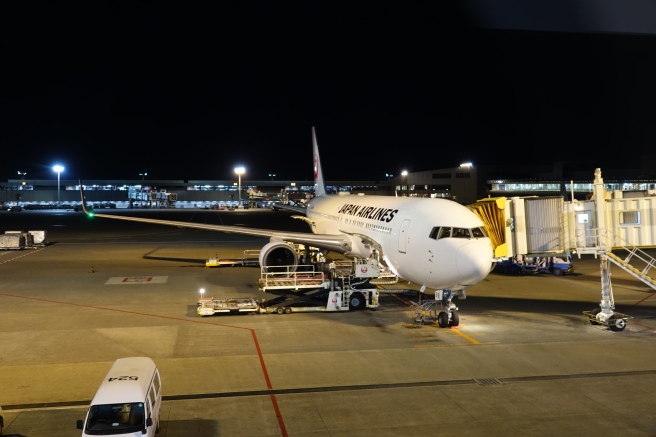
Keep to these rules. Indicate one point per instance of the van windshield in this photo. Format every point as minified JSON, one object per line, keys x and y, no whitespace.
{"x":115,"y":419}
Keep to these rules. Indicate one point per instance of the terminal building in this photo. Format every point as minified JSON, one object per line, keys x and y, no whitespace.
{"x":464,"y":184}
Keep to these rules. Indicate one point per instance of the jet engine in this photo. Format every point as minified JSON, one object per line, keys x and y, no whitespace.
{"x":278,"y":253}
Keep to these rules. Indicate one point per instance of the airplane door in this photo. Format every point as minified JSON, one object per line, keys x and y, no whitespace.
{"x":403,"y":235}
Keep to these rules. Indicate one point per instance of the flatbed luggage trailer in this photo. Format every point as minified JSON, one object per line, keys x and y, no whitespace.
{"x":208,"y":306}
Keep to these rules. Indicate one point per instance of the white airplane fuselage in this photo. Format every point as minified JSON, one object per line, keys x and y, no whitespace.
{"x":401,"y":227}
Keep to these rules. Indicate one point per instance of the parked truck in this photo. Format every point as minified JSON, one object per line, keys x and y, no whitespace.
{"x":521,"y":265}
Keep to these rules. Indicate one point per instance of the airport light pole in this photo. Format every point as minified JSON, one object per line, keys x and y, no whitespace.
{"x":58,"y":169}
{"x":143,"y":178}
{"x":389,"y":183}
{"x":22,"y":175}
{"x":240,"y":171}
{"x":272,"y":175}
{"x":404,"y":173}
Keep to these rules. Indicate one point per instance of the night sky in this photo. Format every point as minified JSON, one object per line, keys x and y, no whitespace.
{"x":189,"y":89}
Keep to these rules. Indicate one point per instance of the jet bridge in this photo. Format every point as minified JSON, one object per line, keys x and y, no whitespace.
{"x":608,"y":226}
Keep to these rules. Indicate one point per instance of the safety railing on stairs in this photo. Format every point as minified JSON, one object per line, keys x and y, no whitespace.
{"x":636,"y":262}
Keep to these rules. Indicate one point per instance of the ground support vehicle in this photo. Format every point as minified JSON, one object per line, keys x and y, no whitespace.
{"x":250,"y":259}
{"x":208,"y":306}
{"x":555,"y":265}
{"x":515,"y":266}
{"x":521,"y":265}
{"x":292,"y":278}
{"x":305,"y":289}
{"x":318,"y":300}
{"x":16,"y":240}
{"x":331,"y":301}
{"x":128,"y":401}
{"x":347,"y":282}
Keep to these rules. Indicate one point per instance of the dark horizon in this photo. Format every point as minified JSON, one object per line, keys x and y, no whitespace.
{"x":183,"y":90}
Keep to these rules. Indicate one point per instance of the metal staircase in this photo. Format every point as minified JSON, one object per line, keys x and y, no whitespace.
{"x":621,"y":254}
{"x":635,"y":253}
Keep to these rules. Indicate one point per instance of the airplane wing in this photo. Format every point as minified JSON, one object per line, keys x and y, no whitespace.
{"x":336,"y":243}
{"x":291,"y":208}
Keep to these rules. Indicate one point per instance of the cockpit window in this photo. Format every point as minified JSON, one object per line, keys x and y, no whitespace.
{"x":440,"y":232}
{"x":444,"y":233}
{"x":447,"y":232}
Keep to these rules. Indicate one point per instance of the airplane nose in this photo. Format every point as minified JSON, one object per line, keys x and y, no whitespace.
{"x":474,"y":261}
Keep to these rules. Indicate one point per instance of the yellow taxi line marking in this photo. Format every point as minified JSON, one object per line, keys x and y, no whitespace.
{"x":453,"y":344}
{"x":466,"y":337}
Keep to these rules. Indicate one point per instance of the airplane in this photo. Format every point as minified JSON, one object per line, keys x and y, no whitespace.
{"x":434,"y":243}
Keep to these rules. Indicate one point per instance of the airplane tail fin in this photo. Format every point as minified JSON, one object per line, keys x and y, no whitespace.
{"x":319,"y":186}
{"x":84,"y":203}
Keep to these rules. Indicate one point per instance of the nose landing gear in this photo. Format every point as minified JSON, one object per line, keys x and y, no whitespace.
{"x":448,"y":311}
{"x":449,"y":317}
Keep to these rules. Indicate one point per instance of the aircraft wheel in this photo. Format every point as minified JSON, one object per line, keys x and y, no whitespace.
{"x":357,"y":301}
{"x":288,"y":310}
{"x":455,"y":319}
{"x":443,"y":319}
{"x":616,"y":323}
{"x":280,"y":310}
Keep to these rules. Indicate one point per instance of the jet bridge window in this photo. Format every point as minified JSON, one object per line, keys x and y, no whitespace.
{"x":630,"y":217}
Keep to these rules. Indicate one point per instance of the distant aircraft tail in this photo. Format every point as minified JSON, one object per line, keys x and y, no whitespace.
{"x":319,"y":186}
{"x":84,"y":203}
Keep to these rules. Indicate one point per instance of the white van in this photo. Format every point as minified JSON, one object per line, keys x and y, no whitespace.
{"x":128,"y":401}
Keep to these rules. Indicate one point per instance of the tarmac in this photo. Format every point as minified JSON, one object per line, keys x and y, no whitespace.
{"x":523,"y":361}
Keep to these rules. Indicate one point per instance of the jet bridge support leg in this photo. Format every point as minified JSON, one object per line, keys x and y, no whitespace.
{"x":605,"y":314}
